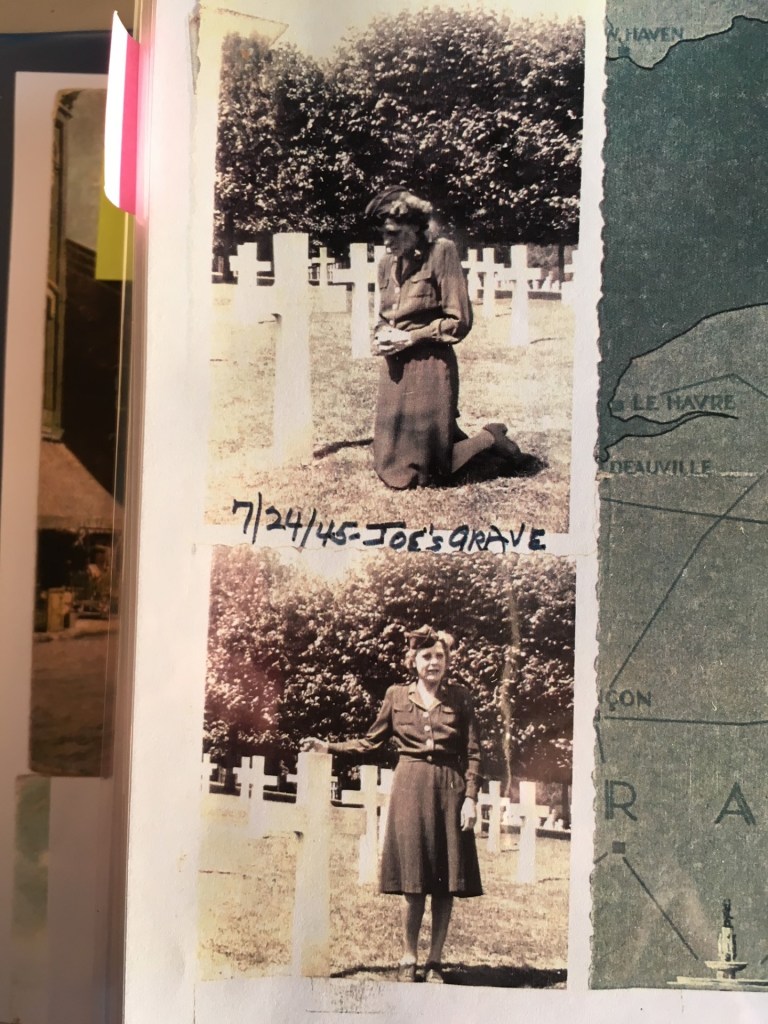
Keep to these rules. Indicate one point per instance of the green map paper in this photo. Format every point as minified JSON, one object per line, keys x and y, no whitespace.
{"x":682,"y":721}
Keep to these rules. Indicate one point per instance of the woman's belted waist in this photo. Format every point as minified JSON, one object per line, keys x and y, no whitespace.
{"x":439,"y":757}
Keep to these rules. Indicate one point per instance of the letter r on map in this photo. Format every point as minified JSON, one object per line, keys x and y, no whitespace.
{"x":619,"y":796}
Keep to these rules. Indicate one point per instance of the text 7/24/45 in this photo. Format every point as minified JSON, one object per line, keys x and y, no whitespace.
{"x":393,"y":534}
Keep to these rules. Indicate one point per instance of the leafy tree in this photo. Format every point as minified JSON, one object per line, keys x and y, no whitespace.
{"x":480,"y":113}
{"x":290,"y":656}
{"x":274,"y":162}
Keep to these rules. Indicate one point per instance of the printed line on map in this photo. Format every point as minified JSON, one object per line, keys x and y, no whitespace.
{"x":684,"y":721}
{"x":600,"y":743}
{"x":712,"y":380}
{"x":661,"y":910}
{"x":606,"y":444}
{"x":660,"y":427}
{"x":683,"y":331}
{"x":710,"y":529}
{"x":687,"y":512}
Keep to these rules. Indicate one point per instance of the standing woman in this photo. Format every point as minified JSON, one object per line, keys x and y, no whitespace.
{"x":424,"y":312}
{"x":429,"y":846}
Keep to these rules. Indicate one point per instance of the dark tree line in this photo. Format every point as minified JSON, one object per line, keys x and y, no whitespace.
{"x":480,"y":113}
{"x":291,"y":655}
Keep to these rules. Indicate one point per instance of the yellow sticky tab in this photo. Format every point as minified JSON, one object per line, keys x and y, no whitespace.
{"x":114,"y":246}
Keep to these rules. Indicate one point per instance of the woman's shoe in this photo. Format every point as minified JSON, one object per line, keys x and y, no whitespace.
{"x":502,"y":445}
{"x":433,"y":974}
{"x":406,"y":972}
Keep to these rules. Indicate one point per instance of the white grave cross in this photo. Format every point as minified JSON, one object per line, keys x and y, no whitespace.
{"x":323,"y":262}
{"x":206,"y":773}
{"x":331,"y":299}
{"x":496,"y":802}
{"x":487,"y":268}
{"x":248,"y":306}
{"x":252,"y":781}
{"x":471,"y":264}
{"x":360,"y":275}
{"x":520,"y":334}
{"x":314,"y":820}
{"x":530,"y":812}
{"x":287,"y":300}
{"x":292,"y":422}
{"x":371,"y":797}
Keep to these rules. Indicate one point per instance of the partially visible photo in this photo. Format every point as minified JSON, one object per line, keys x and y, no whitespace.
{"x":79,"y":522}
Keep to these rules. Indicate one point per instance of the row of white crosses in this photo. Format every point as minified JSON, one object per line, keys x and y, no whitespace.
{"x":373,"y":796}
{"x":288,"y":302}
{"x":260,"y":288}
{"x":527,"y":812}
{"x":314,"y":820}
{"x":485,"y":277}
{"x":255,"y":301}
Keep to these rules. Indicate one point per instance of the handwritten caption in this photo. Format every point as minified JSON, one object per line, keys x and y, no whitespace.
{"x":259,"y":517}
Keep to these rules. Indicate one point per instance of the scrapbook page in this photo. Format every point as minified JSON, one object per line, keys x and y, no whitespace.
{"x":448,"y":633}
{"x":369,"y":466}
{"x":387,"y":298}
{"x":367,"y":712}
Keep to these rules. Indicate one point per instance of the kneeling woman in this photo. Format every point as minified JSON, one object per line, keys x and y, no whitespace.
{"x":429,"y":847}
{"x":424,"y":312}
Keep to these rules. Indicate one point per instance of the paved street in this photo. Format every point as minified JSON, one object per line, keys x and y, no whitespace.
{"x":72,"y":702}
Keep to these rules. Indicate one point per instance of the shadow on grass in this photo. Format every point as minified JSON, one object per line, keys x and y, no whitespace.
{"x":337,"y":446}
{"x":484,"y":466}
{"x":489,"y":466}
{"x":503,"y":977}
{"x":476,"y":974}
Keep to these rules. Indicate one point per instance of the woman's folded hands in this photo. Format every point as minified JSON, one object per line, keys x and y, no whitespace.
{"x":388,"y":340}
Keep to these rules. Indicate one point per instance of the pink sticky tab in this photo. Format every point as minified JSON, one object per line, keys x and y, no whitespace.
{"x":121,"y":129}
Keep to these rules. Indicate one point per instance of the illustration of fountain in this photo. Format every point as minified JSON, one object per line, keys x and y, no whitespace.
{"x":726,"y":967}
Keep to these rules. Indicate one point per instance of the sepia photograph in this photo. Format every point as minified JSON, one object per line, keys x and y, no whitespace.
{"x":386,"y":772}
{"x":79,"y":503}
{"x":395,"y":264}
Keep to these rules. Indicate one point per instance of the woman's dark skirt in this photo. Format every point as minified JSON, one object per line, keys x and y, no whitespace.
{"x":425,"y":850}
{"x":416,"y":411}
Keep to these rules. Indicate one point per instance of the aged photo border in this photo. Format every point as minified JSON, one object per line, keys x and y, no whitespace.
{"x":276,"y":618}
{"x":175,"y":546}
{"x":243,"y":351}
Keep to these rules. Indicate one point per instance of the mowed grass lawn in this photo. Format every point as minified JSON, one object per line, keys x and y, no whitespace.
{"x":527,"y":388}
{"x":514,"y":935}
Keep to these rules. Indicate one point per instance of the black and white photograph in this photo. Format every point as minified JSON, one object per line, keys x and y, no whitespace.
{"x":395,"y":265}
{"x":386,"y":773}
